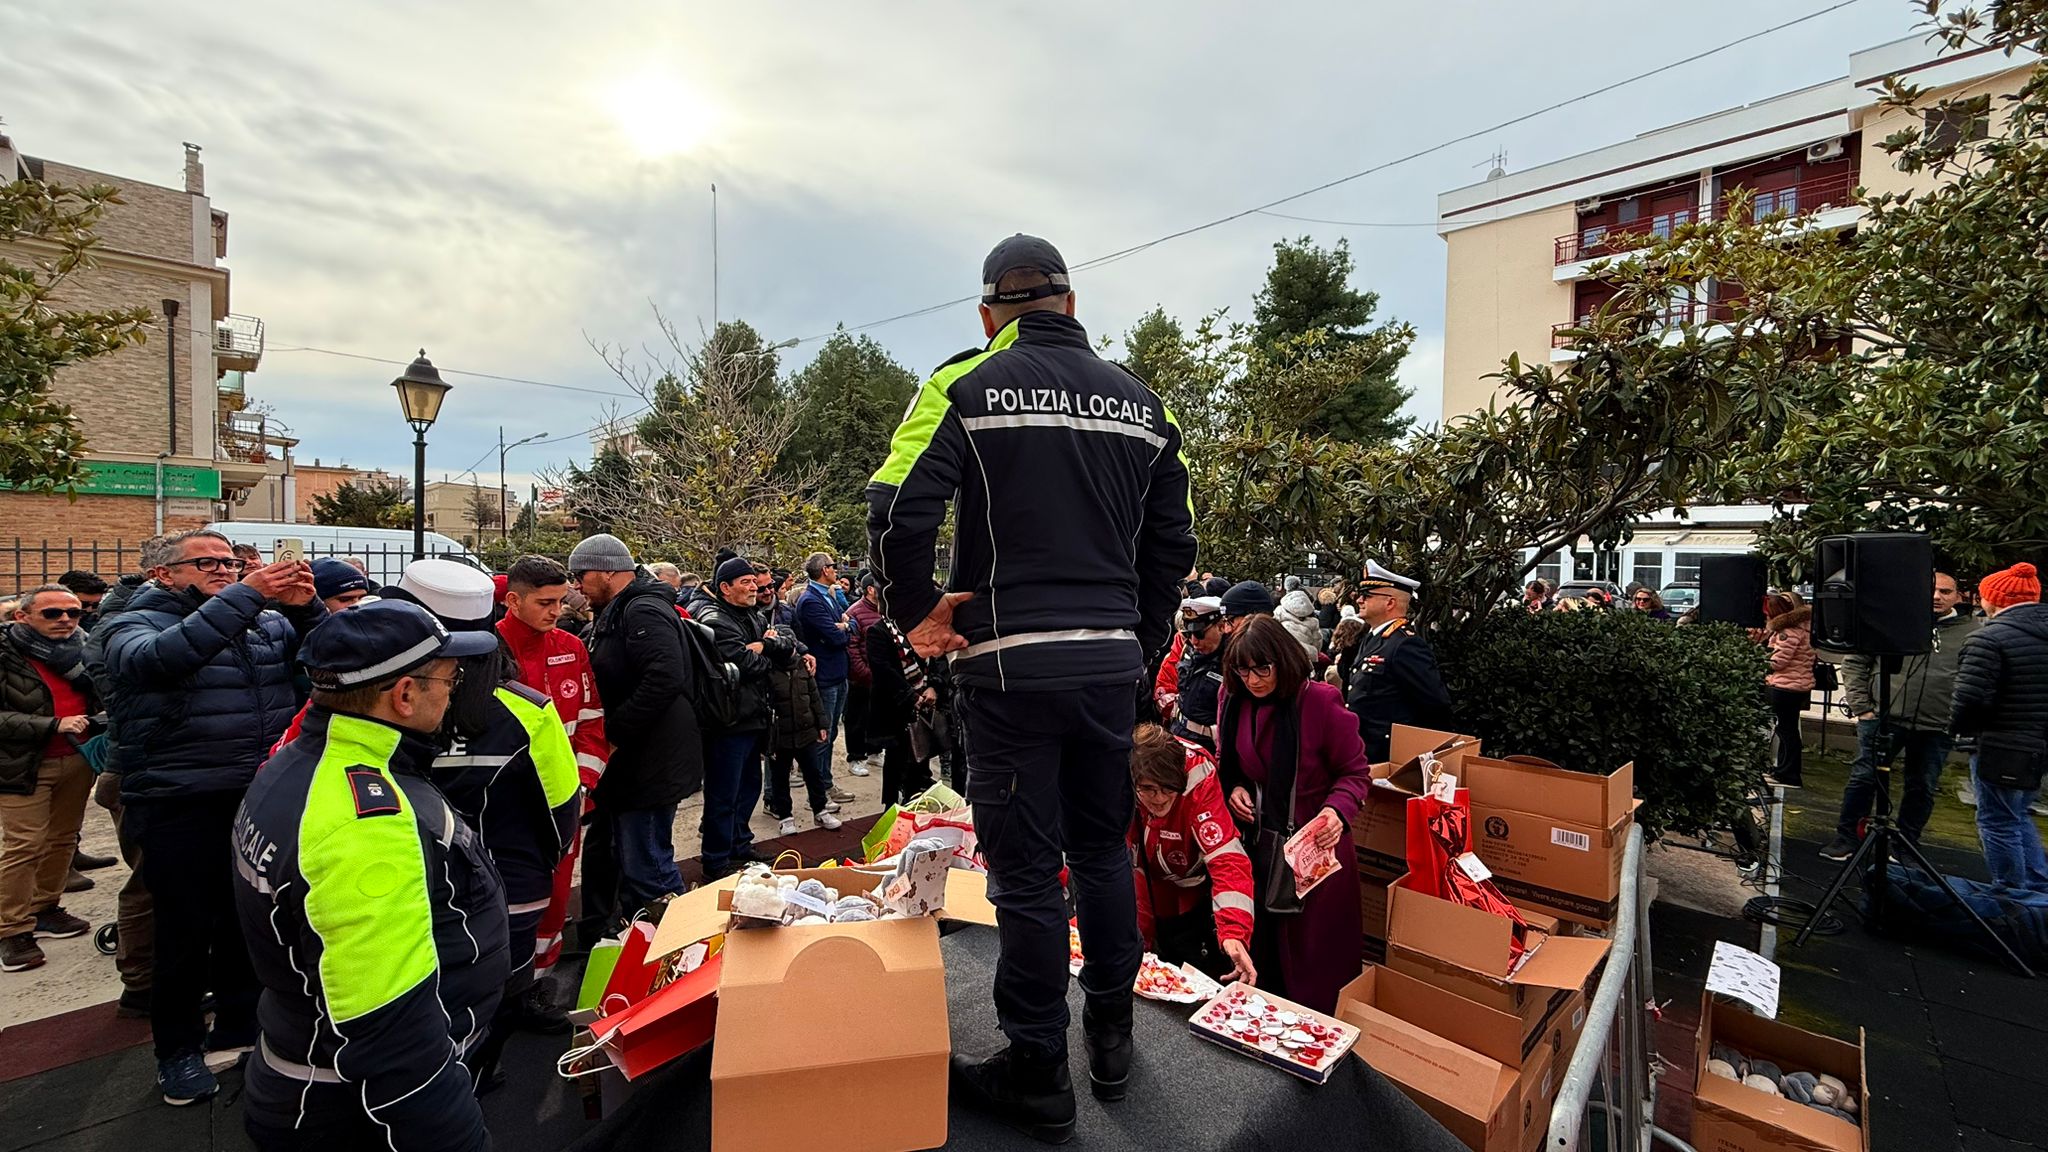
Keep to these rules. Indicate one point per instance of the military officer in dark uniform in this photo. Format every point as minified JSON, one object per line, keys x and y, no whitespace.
{"x":1393,"y":678}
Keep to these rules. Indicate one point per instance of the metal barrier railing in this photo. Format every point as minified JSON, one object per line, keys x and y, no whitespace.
{"x":1614,"y":1052}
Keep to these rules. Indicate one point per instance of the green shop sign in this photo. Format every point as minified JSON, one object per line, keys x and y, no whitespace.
{"x":181,"y":481}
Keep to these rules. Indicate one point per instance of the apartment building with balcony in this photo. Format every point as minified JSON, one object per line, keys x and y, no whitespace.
{"x":1521,"y":248}
{"x":167,"y":444}
{"x":452,"y":509}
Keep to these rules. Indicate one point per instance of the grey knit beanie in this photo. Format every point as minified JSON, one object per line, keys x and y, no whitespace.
{"x":603,"y":552}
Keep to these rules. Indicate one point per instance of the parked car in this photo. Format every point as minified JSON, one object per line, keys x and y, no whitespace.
{"x":1577,"y":590}
{"x":385,"y":551}
{"x":1681,"y":597}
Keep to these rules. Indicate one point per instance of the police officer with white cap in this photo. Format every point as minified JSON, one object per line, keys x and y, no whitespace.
{"x":509,"y":768}
{"x":1394,"y":677}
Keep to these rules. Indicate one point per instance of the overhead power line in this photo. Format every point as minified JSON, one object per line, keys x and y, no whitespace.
{"x":449,"y":371}
{"x":1124,"y":253}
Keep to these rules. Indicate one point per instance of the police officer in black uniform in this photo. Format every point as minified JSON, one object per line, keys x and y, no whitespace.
{"x":1394,"y":677}
{"x":1074,"y":530}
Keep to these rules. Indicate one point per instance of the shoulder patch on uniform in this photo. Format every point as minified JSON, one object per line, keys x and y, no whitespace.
{"x":970,"y":354}
{"x":374,"y":794}
{"x":525,"y":692}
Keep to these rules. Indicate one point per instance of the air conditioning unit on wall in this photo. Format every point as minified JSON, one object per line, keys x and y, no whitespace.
{"x":1825,"y":151}
{"x":1589,"y":205}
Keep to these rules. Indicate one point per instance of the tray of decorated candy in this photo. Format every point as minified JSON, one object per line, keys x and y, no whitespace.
{"x":1286,"y":1035}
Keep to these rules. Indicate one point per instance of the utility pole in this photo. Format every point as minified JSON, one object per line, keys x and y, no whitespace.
{"x":501,"y":483}
{"x":714,"y":260}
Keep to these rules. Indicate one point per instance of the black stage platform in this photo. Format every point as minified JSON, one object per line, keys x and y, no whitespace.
{"x":1185,"y":1094}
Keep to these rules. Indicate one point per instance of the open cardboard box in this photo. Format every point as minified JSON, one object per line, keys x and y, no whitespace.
{"x":1466,"y":952}
{"x":1729,"y":1116}
{"x":1553,"y":838}
{"x":846,"y":1021}
{"x":1380,"y":834}
{"x":1459,"y":1061}
{"x":1372,"y":914}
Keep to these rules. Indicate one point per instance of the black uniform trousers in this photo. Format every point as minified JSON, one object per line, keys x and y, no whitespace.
{"x":1049,"y":776}
{"x":188,"y":861}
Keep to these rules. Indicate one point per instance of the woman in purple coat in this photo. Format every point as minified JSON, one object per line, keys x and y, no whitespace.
{"x":1273,"y":718}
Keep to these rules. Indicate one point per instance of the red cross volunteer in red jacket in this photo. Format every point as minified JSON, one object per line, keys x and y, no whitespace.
{"x":1193,"y":877}
{"x":555,"y":662}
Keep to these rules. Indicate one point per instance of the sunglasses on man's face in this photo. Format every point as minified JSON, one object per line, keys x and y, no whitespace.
{"x":61,"y":613}
{"x":1199,"y":625}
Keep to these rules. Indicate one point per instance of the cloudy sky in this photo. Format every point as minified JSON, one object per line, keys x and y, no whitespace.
{"x":505,"y":182}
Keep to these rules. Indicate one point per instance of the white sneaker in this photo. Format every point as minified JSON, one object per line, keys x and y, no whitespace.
{"x":830,"y":806}
{"x":826,"y":820}
{"x":786,"y":826}
{"x":858,"y":768}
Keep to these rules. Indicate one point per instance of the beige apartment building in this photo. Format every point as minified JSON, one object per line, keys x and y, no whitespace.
{"x":168,"y":444}
{"x":1520,"y":247}
{"x":451,"y":510}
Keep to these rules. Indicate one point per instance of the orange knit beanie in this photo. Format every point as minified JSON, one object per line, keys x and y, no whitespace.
{"x":2019,"y":584}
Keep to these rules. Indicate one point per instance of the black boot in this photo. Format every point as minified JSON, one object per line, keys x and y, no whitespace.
{"x":1032,"y":1094}
{"x":1107,"y":1022}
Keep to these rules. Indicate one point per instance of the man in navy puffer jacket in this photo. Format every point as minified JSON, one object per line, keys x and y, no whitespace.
{"x":197,"y":678}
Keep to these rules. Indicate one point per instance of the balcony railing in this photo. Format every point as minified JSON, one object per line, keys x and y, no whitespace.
{"x":244,"y":436}
{"x":1814,"y":195}
{"x":238,"y":343}
{"x":1676,"y":316}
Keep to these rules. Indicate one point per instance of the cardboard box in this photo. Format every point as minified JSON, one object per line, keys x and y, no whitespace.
{"x":1380,"y":834}
{"x":1733,"y":1117}
{"x":1459,"y":1061}
{"x":1372,"y":914}
{"x":1466,"y":951}
{"x":1553,"y":839}
{"x":836,"y":1020}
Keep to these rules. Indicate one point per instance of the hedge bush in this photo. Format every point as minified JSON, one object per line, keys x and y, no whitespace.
{"x":1592,"y":691}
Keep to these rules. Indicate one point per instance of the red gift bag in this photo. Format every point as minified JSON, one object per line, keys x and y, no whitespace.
{"x":1441,"y":862}
{"x":681,"y":1016}
{"x":633,"y":978}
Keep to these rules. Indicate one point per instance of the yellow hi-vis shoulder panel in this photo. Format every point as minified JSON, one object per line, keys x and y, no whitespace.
{"x":921,"y":423}
{"x":366,"y":874}
{"x":548,"y":743}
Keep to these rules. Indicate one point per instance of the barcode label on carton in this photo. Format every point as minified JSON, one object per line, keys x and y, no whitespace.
{"x":1566,"y":838}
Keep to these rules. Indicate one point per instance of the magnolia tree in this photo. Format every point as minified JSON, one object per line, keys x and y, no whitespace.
{"x":47,"y":234}
{"x":703,"y":474}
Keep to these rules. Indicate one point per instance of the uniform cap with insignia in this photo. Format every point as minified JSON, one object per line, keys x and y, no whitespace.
{"x":379,"y":641}
{"x":1378,"y":577}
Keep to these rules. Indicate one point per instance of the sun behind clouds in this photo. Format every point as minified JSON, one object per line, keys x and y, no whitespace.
{"x":659,"y":114}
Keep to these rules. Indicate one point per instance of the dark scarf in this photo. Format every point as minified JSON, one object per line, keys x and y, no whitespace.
{"x":64,"y":657}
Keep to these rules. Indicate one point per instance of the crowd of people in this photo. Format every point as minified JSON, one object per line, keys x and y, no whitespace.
{"x":354,"y":814}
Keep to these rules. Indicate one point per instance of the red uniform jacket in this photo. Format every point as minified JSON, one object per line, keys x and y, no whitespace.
{"x":1193,"y":848}
{"x":1166,"y":685}
{"x":555,"y":662}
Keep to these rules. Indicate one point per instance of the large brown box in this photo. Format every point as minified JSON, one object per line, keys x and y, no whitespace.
{"x":1552,"y":838}
{"x":1460,"y":1062}
{"x":1728,"y":1116}
{"x":1466,"y":952}
{"x":1379,"y":836}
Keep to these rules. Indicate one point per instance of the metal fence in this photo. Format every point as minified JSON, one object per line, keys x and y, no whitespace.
{"x":27,"y":563}
{"x":1608,"y":1100}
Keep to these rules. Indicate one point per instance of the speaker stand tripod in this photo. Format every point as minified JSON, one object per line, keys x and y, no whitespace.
{"x":1880,"y":839}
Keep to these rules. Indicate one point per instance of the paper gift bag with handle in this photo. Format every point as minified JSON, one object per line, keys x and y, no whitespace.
{"x":681,"y":1016}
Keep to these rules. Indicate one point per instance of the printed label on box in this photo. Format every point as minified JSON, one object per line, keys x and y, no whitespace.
{"x":1566,"y":838}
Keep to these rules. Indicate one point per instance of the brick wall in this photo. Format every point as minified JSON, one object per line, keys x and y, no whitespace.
{"x":42,"y":535}
{"x":149,"y":220}
{"x":120,"y":398}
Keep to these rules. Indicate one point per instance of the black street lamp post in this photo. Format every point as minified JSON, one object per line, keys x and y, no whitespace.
{"x":420,"y":392}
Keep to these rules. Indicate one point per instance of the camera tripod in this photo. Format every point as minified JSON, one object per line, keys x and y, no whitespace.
{"x":1880,"y":839}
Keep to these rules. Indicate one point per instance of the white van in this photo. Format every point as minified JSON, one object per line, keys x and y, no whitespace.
{"x":385,"y":551}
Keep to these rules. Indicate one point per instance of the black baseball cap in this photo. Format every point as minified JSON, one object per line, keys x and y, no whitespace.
{"x":1021,"y":251}
{"x":382,"y":640}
